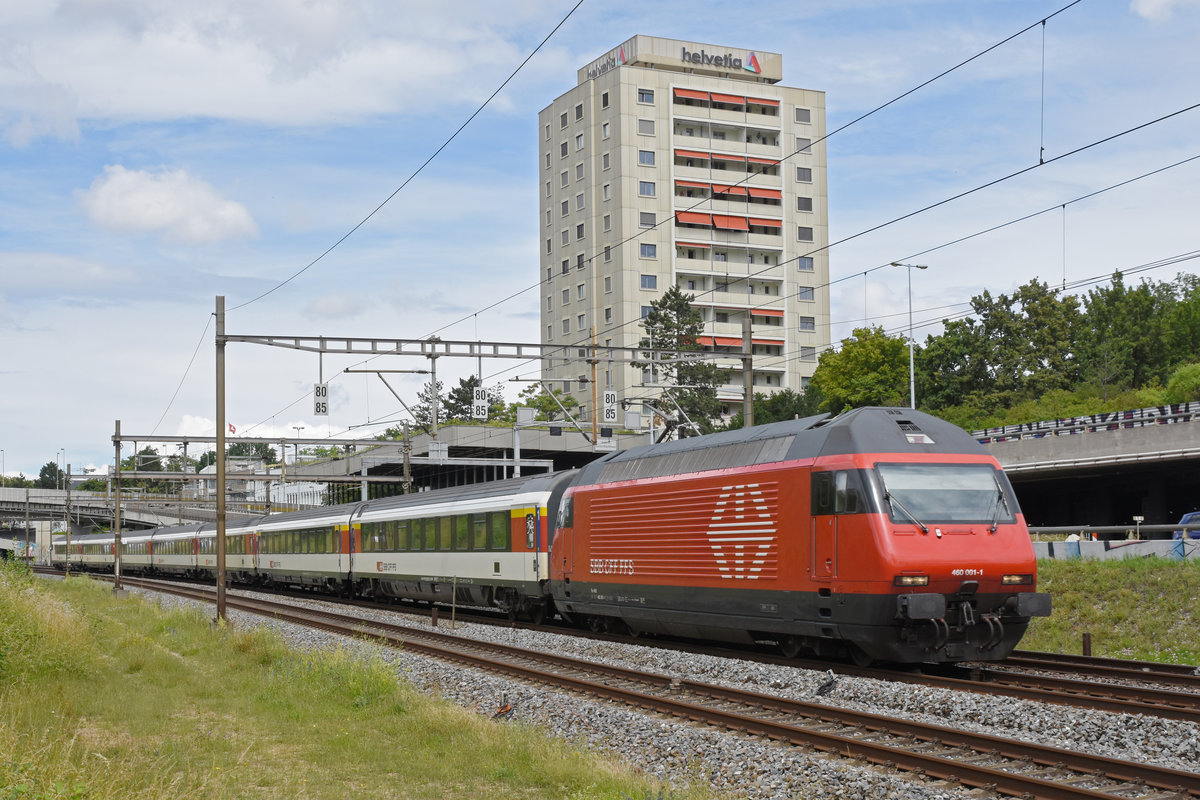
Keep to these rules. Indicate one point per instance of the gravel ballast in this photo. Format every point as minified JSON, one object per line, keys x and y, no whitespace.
{"x":735,"y":765}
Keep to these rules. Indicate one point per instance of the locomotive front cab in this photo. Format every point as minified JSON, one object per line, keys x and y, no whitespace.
{"x":955,"y":575}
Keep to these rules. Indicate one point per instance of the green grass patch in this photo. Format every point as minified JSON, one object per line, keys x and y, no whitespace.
{"x":105,"y":698}
{"x":1140,"y":608}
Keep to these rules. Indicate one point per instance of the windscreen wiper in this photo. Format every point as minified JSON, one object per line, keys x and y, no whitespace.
{"x":1000,"y":500}
{"x":895,"y":502}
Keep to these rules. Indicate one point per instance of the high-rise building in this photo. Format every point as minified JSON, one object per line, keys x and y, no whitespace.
{"x":685,"y":164}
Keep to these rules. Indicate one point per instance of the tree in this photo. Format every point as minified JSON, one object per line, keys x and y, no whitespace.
{"x":50,"y":476}
{"x":461,"y":400}
{"x":422,"y":410}
{"x":673,"y":323}
{"x":782,"y":405}
{"x":870,"y":369}
{"x":536,"y":396}
{"x":259,"y":452}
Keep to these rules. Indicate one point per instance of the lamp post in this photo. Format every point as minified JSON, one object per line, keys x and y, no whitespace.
{"x":1,"y":469}
{"x":912,"y":377}
{"x":297,"y":429}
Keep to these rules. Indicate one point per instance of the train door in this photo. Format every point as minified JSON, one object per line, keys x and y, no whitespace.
{"x":823,"y":547}
{"x":563,"y":548}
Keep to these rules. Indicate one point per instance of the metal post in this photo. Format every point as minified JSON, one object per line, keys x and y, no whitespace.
{"x":912,"y":376}
{"x":220,"y":311}
{"x":117,"y":506}
{"x":747,"y":373}
{"x":433,"y":400}
{"x":27,"y":533}
{"x":595,"y":416}
{"x":66,"y":506}
{"x":407,"y":448}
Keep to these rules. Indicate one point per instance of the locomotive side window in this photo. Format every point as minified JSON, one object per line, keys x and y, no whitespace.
{"x":839,"y":492}
{"x":566,"y":513}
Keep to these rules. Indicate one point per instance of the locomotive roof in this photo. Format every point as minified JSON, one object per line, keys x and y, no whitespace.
{"x":862,"y":430}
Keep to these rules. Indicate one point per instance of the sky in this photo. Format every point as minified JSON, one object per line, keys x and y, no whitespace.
{"x":156,"y":155}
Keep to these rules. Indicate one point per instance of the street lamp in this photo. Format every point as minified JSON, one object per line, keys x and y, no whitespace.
{"x":912,"y":381}
{"x":297,"y":429}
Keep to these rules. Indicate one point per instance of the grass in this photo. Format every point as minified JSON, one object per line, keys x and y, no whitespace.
{"x":1140,"y":608}
{"x":105,"y":698}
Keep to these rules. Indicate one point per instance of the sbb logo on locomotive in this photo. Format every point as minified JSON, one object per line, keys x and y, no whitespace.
{"x":611,"y":566}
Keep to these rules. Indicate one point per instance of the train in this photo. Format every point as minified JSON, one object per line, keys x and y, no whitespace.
{"x":878,"y":535}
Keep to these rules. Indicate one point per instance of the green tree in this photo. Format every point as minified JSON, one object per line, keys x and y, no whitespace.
{"x":460,"y":401}
{"x":536,"y":396}
{"x":870,"y":369}
{"x":422,"y":410}
{"x":1184,"y":384}
{"x":50,"y":476}
{"x":1124,"y":339}
{"x":779,"y":406}
{"x":673,"y":323}
{"x":259,"y":451}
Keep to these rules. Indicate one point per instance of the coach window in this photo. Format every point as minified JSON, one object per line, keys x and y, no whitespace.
{"x":430,"y":526}
{"x":402,"y":534}
{"x":331,"y":540}
{"x":445,"y":533}
{"x":462,"y":532}
{"x":479,"y":531}
{"x":500,"y":526}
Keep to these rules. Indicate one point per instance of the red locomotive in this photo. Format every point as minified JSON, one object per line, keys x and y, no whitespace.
{"x":884,"y":533}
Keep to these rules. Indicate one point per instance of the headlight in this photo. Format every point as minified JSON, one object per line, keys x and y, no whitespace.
{"x":911,"y":580}
{"x":1017,"y":580}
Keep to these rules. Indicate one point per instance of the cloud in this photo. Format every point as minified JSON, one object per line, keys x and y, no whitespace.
{"x":337,"y":306}
{"x":1160,"y":10}
{"x":171,"y":203}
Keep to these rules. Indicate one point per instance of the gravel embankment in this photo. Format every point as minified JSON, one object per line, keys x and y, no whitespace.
{"x":737,"y":766}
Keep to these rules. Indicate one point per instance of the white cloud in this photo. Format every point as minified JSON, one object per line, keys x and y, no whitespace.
{"x":1160,"y":10}
{"x":171,"y":203}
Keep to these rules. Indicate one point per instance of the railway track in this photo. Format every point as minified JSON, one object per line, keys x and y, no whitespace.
{"x":1103,"y":684}
{"x":997,"y":764}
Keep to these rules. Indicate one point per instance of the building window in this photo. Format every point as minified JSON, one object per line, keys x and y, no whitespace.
{"x":547,"y":131}
{"x":579,"y":291}
{"x":804,"y":293}
{"x":648,"y":251}
{"x":808,"y":323}
{"x":579,"y":141}
{"x":549,"y":303}
{"x":566,"y":266}
{"x":721,"y":316}
{"x":579,"y":171}
{"x":579,"y":202}
{"x":547,"y":188}
{"x":607,"y":283}
{"x":608,"y":315}
{"x":604,"y":161}
{"x":562,"y":121}
{"x":565,"y":236}
{"x":691,"y":285}
{"x":566,"y":297}
{"x":566,"y":384}
{"x":803,"y":145}
{"x":803,"y":115}
{"x":649,"y":281}
{"x":606,"y":193}
{"x":549,"y":273}
{"x":646,"y":311}
{"x":645,"y":158}
{"x":563,"y":149}
{"x":804,"y":234}
{"x":549,"y":246}
{"x":808,"y":353}
{"x":804,"y":174}
{"x":581,"y":322}
{"x":564,"y":208}
{"x":646,"y":188}
{"x":646,"y":219}
{"x":579,"y":231}
{"x":580,"y":261}
{"x":579,"y":111}
{"x":549,"y":332}
{"x":804,"y":204}
{"x":564,"y":178}
{"x":547,"y":160}
{"x":645,"y":96}
{"x":548,"y":215}
{"x":607,"y":253}
{"x":604,"y":100}
{"x":604,"y":130}
{"x":805,"y":263}
{"x":608,"y":222}
{"x":646,"y":127}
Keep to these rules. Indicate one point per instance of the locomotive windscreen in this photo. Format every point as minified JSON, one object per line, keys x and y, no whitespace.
{"x":946,"y":493}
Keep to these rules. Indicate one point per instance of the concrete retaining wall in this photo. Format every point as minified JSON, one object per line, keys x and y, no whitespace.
{"x":1133,"y":548}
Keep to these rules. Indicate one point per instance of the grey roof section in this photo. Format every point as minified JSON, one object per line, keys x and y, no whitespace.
{"x":542,"y":482}
{"x":862,"y":430}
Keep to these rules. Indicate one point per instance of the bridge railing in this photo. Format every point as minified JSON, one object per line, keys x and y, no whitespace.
{"x":1092,"y":423}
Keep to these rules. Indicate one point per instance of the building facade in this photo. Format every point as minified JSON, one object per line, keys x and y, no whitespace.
{"x":675,"y":163}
